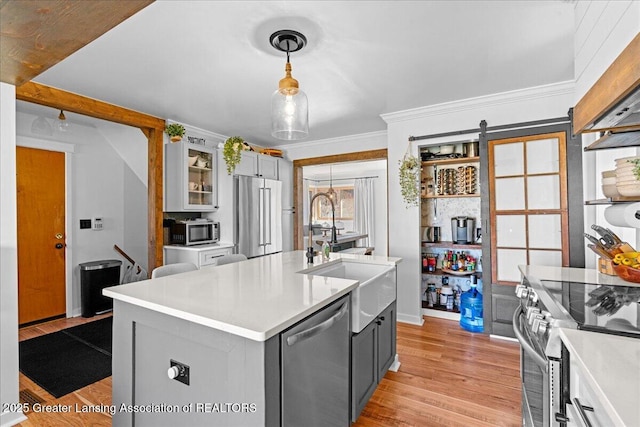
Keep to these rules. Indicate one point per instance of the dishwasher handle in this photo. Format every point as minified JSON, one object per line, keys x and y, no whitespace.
{"x":319,"y":328}
{"x":541,"y":361}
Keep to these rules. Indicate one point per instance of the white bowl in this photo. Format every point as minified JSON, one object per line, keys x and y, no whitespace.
{"x":610,"y":191}
{"x":626,"y":177}
{"x":629,"y":190}
{"x":625,"y":160}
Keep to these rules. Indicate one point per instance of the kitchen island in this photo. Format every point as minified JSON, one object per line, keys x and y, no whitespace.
{"x":225,"y":326}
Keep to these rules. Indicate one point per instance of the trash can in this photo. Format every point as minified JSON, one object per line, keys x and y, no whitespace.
{"x":94,"y":277}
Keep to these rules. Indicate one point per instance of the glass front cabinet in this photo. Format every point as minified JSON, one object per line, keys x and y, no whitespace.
{"x":191,"y":177}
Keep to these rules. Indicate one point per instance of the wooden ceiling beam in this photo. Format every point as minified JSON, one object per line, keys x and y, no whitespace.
{"x":67,"y":101}
{"x":151,"y":126}
{"x":37,"y":34}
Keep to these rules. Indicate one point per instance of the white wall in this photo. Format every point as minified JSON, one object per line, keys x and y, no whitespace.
{"x":342,"y":145}
{"x":352,"y":144}
{"x":602,"y":31}
{"x":100,"y":183}
{"x":511,"y":107}
{"x":8,"y":258}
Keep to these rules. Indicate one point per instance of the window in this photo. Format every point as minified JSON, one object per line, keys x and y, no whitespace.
{"x":343,"y":203}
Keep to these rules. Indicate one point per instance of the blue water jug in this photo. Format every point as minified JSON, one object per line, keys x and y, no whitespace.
{"x":471,"y":310}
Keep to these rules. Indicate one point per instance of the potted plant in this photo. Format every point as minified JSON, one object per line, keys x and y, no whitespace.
{"x":409,"y":177}
{"x":175,"y":131}
{"x":232,"y":152}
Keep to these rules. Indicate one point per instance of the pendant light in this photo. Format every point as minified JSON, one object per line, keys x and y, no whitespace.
{"x":62,"y":122}
{"x":289,"y":105}
{"x":331,"y":192}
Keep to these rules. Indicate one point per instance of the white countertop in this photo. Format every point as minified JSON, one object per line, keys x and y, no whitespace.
{"x":219,"y":245}
{"x":612,"y":367}
{"x":255,"y":299}
{"x":569,"y":274}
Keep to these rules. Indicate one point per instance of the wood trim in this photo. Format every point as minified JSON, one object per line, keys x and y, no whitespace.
{"x":562,"y":210}
{"x":298,"y":220}
{"x":37,"y":34}
{"x":339,"y":158}
{"x":618,"y":81}
{"x":155,"y":198}
{"x":152,"y":127}
{"x":61,"y":100}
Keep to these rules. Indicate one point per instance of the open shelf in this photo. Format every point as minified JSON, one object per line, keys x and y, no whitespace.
{"x":610,"y":201}
{"x":451,"y":245}
{"x":450,"y":196}
{"x":439,"y":307}
{"x":453,"y":161}
{"x":616,"y":140}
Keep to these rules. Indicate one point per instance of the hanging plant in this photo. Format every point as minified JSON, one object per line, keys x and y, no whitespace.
{"x":232,"y":152}
{"x":409,"y":178}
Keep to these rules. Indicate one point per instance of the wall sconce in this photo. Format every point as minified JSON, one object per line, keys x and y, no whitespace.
{"x":289,"y":105}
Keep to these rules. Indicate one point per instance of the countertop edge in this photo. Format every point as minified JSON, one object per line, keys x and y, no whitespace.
{"x":571,"y":338}
{"x":226,"y":327}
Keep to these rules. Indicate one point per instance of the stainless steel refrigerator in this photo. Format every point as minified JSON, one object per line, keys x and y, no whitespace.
{"x":258,"y":216}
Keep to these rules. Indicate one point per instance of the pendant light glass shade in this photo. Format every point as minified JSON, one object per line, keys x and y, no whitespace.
{"x":289,"y":105}
{"x":289,"y":110}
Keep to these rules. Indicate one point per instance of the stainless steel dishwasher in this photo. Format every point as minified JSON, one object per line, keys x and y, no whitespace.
{"x":315,"y":368}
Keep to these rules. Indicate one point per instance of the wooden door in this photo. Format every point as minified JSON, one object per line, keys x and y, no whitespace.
{"x":41,"y":234}
{"x":528,"y":204}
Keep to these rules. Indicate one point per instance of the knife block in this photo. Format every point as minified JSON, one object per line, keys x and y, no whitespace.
{"x":605,"y":266}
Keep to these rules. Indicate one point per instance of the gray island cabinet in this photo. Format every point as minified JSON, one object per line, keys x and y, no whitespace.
{"x":257,"y":343}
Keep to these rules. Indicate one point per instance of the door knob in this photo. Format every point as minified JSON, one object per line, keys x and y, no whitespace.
{"x":59,"y":246}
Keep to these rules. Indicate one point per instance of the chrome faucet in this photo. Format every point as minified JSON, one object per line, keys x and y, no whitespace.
{"x":334,"y":236}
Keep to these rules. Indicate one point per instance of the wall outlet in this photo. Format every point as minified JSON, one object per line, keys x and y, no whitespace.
{"x":181,"y":373}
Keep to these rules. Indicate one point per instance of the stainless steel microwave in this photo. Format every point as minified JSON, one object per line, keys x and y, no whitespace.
{"x":195,"y":232}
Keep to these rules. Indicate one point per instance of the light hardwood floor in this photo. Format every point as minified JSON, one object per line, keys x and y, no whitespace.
{"x":447,"y":377}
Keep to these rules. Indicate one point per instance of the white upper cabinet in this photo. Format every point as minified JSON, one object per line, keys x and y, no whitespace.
{"x":259,"y":165}
{"x":191,"y":177}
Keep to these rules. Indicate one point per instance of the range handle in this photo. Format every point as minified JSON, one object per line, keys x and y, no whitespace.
{"x":540,"y":360}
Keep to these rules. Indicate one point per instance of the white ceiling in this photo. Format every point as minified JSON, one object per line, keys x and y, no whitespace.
{"x":209,"y":63}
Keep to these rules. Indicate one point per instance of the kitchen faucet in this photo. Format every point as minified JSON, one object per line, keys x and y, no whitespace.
{"x":334,"y":237}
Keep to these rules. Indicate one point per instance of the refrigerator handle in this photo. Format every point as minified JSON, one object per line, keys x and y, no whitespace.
{"x":261,"y":210}
{"x":267,"y":225}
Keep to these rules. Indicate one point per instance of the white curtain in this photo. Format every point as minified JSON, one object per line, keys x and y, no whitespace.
{"x":363,"y":215}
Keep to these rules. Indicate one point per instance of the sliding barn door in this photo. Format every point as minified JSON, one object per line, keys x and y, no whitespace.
{"x":528,"y":204}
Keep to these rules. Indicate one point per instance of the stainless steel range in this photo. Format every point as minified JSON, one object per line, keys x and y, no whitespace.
{"x":545,"y":306}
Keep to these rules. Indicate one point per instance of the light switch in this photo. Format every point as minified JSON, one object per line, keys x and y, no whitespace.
{"x":96,"y":223}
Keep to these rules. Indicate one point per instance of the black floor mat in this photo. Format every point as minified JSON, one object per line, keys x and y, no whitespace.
{"x":70,"y":359}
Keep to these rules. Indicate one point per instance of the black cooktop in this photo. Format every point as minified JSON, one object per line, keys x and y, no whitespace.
{"x":601,"y":308}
